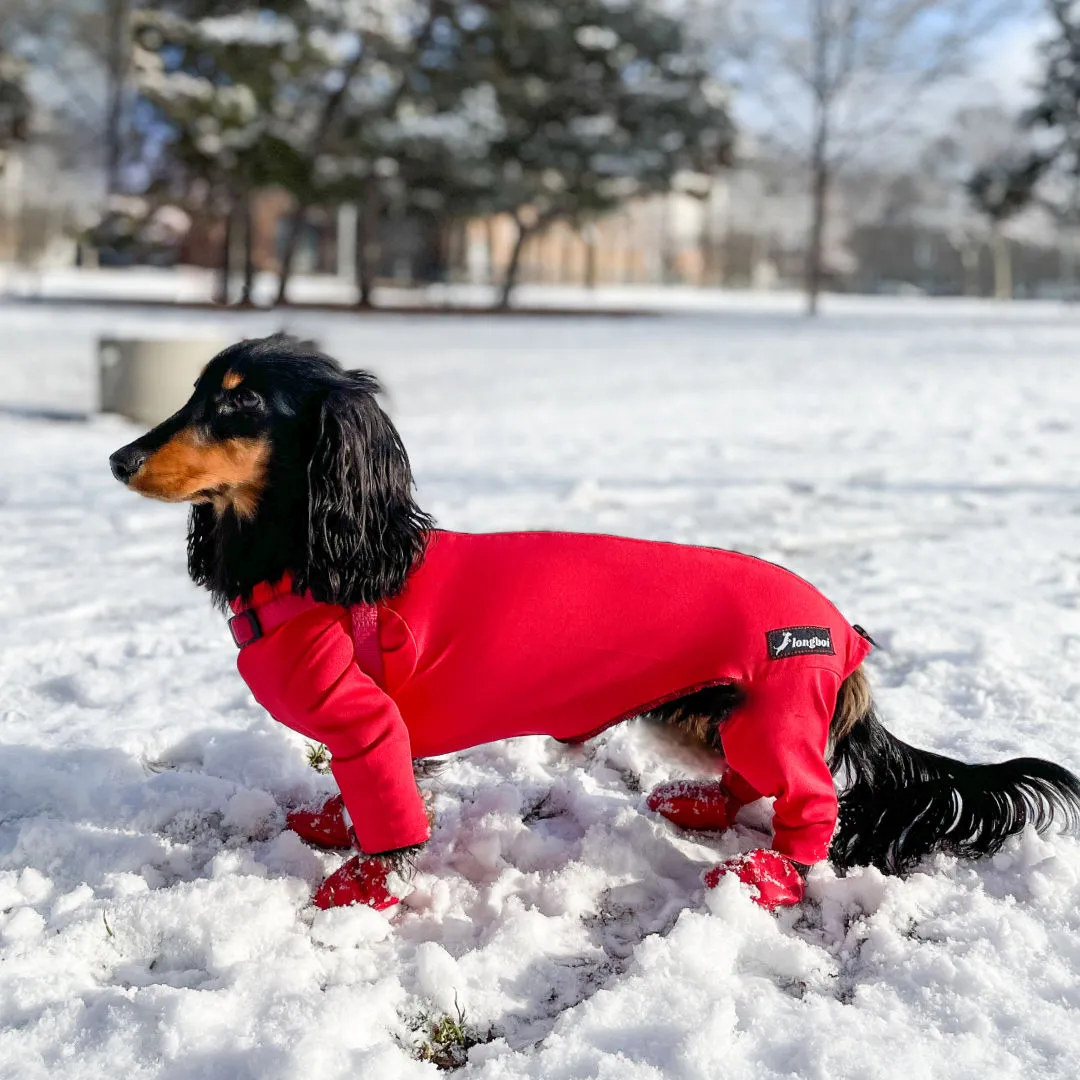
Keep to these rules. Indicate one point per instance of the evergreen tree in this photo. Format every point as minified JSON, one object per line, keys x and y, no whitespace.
{"x":1014,"y":178}
{"x":597,"y":102}
{"x":447,"y":108}
{"x":354,"y":152}
{"x":15,"y":107}
{"x":230,"y":93}
{"x":1057,"y":111}
{"x":999,"y":190}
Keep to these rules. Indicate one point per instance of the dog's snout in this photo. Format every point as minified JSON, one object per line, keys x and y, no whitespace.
{"x":126,"y":462}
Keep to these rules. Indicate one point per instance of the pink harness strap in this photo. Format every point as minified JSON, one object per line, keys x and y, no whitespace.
{"x":250,"y":624}
{"x":365,"y":635}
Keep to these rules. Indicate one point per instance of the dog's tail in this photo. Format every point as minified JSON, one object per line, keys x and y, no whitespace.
{"x":899,"y":804}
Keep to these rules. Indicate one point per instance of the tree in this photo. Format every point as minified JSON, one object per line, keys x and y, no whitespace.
{"x":385,"y":55}
{"x":81,"y":52}
{"x":231,"y":96}
{"x":596,"y":103}
{"x":1057,"y":111}
{"x":1055,"y":121}
{"x":835,"y":76}
{"x":422,"y":150}
{"x":970,"y":179}
{"x":15,"y":109}
{"x":1001,"y":189}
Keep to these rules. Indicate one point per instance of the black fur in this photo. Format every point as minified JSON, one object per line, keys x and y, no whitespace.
{"x":899,"y":804}
{"x":337,"y":511}
{"x":364,"y":531}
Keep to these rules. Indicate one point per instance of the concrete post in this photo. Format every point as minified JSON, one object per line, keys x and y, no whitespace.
{"x":147,"y":380}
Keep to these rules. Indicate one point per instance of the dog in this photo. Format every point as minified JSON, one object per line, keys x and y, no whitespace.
{"x":363,"y":626}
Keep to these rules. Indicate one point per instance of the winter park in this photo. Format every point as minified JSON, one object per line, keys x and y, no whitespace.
{"x":466,"y":722}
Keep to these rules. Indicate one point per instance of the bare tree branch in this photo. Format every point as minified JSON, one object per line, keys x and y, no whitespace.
{"x":853,"y":70}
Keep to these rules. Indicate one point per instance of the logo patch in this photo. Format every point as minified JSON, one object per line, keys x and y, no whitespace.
{"x":799,"y":641}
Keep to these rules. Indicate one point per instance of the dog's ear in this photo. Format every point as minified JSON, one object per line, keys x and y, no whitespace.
{"x":365,"y":531}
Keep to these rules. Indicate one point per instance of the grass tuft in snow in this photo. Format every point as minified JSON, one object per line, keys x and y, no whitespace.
{"x":318,"y":757}
{"x":442,"y":1039}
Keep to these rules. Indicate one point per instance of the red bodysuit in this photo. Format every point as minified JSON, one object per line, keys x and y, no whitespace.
{"x":506,"y":634}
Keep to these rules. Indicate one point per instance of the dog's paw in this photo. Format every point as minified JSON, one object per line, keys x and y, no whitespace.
{"x":776,"y":880}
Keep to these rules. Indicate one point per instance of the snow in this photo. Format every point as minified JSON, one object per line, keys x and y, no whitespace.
{"x":919,"y":462}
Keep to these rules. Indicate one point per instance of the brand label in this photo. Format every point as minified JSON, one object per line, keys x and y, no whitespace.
{"x":799,"y":641}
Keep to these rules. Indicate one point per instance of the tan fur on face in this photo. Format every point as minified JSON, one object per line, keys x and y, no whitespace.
{"x":231,"y":380}
{"x":227,"y":474}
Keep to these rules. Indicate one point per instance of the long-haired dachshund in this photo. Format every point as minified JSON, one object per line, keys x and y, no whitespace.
{"x":363,"y":626}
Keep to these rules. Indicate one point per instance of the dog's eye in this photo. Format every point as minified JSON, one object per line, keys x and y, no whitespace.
{"x":245,"y":398}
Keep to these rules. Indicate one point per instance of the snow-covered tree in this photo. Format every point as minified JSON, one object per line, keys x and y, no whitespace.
{"x":78,"y":53}
{"x":592,"y":102}
{"x":353,"y":154}
{"x":14,"y":105}
{"x":1057,"y":111}
{"x":233,"y":97}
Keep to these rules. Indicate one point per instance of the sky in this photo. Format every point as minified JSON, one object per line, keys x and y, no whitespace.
{"x":1002,"y":71}
{"x":1010,"y":62}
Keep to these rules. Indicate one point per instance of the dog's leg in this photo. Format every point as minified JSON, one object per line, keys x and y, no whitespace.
{"x":697,"y":804}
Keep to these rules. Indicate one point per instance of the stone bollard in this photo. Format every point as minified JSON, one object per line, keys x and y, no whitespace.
{"x":147,"y":380}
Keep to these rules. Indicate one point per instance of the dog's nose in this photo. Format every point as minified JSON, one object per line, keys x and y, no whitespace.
{"x":126,"y":462}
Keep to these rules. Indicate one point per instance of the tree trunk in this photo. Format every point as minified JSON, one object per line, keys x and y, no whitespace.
{"x":565,"y":274}
{"x":512,"y":268}
{"x":297,"y":220}
{"x":299,"y":215}
{"x":247,"y":224}
{"x":116,"y":15}
{"x":589,"y":235}
{"x":969,"y":259}
{"x":367,"y":246}
{"x":489,"y":240}
{"x":1003,"y":284}
{"x":708,"y":246}
{"x":221,"y":292}
{"x":819,"y":194}
{"x":819,"y":155}
{"x":668,"y":264}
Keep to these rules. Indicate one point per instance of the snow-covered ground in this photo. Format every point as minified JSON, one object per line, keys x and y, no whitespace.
{"x":919,"y":463}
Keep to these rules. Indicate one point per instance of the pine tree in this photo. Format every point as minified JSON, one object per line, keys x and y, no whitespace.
{"x":1057,"y":111}
{"x":353,"y":155}
{"x":1012,"y":179}
{"x":230,"y":93}
{"x":15,"y":109}
{"x":596,"y":102}
{"x":999,"y":190}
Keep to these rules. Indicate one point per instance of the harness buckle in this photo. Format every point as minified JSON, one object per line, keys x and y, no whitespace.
{"x":245,"y":628}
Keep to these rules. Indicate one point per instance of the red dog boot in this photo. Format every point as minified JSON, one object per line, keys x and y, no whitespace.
{"x":323,"y":828}
{"x":361,"y":880}
{"x":695,"y":804}
{"x":776,"y":879}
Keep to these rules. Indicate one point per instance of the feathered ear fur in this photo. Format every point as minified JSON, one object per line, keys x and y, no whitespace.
{"x":365,"y":531}
{"x":203,"y":557}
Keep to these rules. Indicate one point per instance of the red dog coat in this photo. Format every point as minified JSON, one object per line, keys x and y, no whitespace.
{"x":562,"y":634}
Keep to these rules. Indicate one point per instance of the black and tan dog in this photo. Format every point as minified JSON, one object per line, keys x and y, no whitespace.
{"x":303,"y":517}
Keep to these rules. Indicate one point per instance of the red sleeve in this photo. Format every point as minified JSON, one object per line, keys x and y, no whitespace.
{"x":304,"y":674}
{"x":776,"y":742}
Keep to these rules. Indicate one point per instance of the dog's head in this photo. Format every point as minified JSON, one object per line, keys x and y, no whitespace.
{"x":291,"y":466}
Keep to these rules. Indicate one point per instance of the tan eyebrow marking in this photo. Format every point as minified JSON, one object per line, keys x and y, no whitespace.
{"x":231,"y":380}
